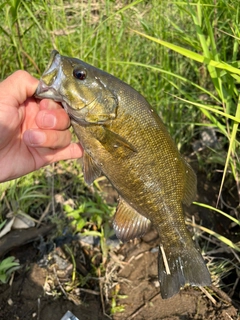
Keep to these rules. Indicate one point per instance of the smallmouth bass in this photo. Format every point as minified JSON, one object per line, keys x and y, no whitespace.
{"x":125,"y":140}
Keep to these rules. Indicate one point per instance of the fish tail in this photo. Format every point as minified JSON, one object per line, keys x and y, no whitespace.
{"x":180,"y":266}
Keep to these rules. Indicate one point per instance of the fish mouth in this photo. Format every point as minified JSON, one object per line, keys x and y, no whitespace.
{"x":49,"y":86}
{"x":47,"y":92}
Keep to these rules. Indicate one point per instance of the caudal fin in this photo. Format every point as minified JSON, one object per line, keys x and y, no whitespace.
{"x":177,"y":267}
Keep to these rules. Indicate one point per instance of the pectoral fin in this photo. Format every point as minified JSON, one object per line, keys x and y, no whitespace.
{"x":128,"y":223}
{"x":112,"y":141}
{"x":90,"y":170}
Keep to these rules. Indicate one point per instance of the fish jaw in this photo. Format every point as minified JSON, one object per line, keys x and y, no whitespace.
{"x":49,"y":86}
{"x":47,"y":92}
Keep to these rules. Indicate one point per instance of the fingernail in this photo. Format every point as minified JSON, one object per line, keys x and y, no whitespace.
{"x":37,"y":137}
{"x":49,"y":120}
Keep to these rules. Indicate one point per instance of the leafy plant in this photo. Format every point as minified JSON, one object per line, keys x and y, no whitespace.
{"x":7,"y":267}
{"x":115,"y":306}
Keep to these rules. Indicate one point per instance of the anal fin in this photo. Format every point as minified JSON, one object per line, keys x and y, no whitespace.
{"x":128,"y":223}
{"x":90,"y":170}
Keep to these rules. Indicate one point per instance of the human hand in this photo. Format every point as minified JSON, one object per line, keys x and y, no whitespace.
{"x":33,"y":133}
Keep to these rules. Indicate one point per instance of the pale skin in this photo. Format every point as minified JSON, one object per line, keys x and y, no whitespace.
{"x":33,"y":133}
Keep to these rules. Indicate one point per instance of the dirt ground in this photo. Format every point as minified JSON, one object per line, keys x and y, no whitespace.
{"x":29,"y":296}
{"x":39,"y":291}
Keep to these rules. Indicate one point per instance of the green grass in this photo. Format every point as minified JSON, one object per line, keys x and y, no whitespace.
{"x":183,"y":57}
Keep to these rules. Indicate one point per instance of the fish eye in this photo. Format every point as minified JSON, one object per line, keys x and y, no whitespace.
{"x":80,"y":74}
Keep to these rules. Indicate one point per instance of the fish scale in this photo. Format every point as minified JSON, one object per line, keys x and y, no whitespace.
{"x":125,"y":140}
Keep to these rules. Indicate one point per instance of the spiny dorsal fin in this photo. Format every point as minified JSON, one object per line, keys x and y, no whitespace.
{"x":90,"y":170}
{"x":128,"y":223}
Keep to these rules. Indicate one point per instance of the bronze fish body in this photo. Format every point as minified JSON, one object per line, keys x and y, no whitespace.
{"x":125,"y":140}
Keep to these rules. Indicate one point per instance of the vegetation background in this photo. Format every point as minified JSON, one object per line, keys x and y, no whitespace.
{"x":183,"y":56}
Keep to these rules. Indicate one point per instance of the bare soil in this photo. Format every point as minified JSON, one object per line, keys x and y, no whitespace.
{"x":42,"y":289}
{"x":29,"y":296}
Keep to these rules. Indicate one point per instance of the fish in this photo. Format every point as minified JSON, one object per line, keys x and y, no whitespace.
{"x":125,"y":140}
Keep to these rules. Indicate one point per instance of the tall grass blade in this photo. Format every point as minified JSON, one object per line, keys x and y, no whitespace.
{"x":221,"y":238}
{"x":194,"y":56}
{"x":232,"y":146}
{"x":217,"y":210}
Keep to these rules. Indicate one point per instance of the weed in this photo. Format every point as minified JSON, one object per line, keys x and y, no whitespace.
{"x":7,"y":267}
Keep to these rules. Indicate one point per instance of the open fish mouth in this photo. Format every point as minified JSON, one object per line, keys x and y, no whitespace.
{"x":47,"y":92}
{"x":49,"y":86}
{"x":51,"y":92}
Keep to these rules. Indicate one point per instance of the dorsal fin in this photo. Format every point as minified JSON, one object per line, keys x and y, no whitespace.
{"x":128,"y":223}
{"x":190,"y":185}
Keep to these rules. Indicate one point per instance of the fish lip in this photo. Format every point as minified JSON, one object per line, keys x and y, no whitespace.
{"x":44,"y":91}
{"x":48,"y":92}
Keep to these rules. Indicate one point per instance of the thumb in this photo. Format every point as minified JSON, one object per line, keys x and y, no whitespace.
{"x":17,"y":88}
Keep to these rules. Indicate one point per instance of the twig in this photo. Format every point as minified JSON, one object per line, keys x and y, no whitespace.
{"x":208,"y":295}
{"x":229,"y":207}
{"x":221,"y":294}
{"x":165,"y":260}
{"x":39,"y":309}
{"x":194,"y":228}
{"x":61,"y":287}
{"x":229,"y":316}
{"x":96,"y":293}
{"x":115,"y":258}
{"x":235,"y":254}
{"x":31,"y":60}
{"x":45,"y":212}
{"x":234,"y":288}
{"x":102,"y":300}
